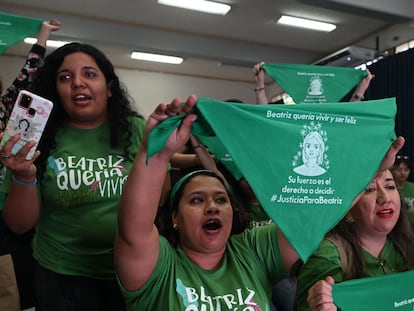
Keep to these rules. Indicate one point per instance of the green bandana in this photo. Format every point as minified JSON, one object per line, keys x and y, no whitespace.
{"x":384,"y":293}
{"x":14,"y":29}
{"x":305,"y":163}
{"x":314,"y":84}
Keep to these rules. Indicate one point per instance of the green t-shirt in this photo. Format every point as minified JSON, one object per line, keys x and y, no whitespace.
{"x":327,"y":262}
{"x":251,"y":263}
{"x":408,"y":194}
{"x":80,"y":191}
{"x":259,"y":216}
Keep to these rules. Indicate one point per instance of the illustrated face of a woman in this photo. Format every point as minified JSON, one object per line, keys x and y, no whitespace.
{"x":378,"y":210}
{"x":83,"y":90}
{"x":205,"y":215}
{"x":315,"y":85}
{"x":312,"y":148}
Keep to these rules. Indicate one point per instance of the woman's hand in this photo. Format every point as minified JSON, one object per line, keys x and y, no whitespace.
{"x":180,"y":135}
{"x":320,"y":296}
{"x":22,"y":169}
{"x":46,"y":29}
{"x":389,"y":158}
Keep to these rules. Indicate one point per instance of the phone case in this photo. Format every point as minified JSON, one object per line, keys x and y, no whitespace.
{"x":28,"y":118}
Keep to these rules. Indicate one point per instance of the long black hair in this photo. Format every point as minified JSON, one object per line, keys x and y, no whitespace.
{"x":119,"y":104}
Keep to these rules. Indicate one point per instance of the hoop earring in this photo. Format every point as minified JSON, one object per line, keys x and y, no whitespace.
{"x":349,"y":218}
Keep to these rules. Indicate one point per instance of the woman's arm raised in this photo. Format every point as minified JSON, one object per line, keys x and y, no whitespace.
{"x":137,"y":241}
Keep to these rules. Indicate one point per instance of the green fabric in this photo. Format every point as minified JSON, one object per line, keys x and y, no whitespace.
{"x":314,"y":84}
{"x":385,"y":293}
{"x":266,"y":141}
{"x":14,"y":29}
{"x":80,"y":195}
{"x":251,"y":263}
{"x":219,"y":150}
{"x":408,"y":194}
{"x":204,"y":132}
{"x":326,"y":262}
{"x":259,"y":216}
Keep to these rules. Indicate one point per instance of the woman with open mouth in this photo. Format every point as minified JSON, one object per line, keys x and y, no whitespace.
{"x":211,"y":262}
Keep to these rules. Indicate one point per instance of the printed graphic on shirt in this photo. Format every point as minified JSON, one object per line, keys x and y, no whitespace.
{"x":91,"y":179}
{"x":312,"y":151}
{"x":196,"y":299}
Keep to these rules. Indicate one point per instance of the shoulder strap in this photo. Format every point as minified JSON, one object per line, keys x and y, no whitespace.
{"x":345,"y":254}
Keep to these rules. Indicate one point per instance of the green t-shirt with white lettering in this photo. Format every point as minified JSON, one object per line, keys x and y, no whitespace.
{"x":251,"y":263}
{"x":80,"y":191}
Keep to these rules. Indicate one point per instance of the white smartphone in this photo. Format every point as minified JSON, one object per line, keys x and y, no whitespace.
{"x":28,"y":118}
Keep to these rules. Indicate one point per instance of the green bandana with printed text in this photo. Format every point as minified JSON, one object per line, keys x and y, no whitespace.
{"x":305,"y":163}
{"x":383,"y":293}
{"x":314,"y":84}
{"x":14,"y":29}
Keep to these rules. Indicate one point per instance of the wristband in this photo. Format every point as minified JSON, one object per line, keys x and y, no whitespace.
{"x":358,"y":97}
{"x":25,"y":184}
{"x":259,"y":89}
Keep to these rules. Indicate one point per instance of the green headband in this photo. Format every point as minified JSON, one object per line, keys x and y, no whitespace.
{"x":179,"y":183}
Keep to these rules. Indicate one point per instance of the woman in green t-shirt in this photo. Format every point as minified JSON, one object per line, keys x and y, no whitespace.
{"x":71,"y":188}
{"x":215,"y":265}
{"x":374,"y":239}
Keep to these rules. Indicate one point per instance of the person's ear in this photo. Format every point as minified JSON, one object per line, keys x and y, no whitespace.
{"x":110,"y":88}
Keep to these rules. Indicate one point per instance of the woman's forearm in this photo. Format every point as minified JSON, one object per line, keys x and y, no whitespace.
{"x":21,"y":215}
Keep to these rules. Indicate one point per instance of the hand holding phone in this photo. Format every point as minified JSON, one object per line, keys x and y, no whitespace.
{"x":28,"y":118}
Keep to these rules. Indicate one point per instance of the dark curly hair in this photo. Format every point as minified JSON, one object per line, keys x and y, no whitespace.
{"x":241,"y":216}
{"x":119,"y":104}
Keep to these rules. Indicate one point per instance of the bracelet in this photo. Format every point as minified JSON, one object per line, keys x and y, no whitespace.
{"x":198,"y":146}
{"x":25,"y":184}
{"x":260,"y":89}
{"x":358,"y":97}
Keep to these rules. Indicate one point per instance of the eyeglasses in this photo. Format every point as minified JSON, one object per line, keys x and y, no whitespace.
{"x":402,"y":157}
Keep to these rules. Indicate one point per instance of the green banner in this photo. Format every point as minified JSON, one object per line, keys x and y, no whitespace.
{"x":14,"y":29}
{"x":393,"y":292}
{"x":314,"y":84}
{"x":305,"y":163}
